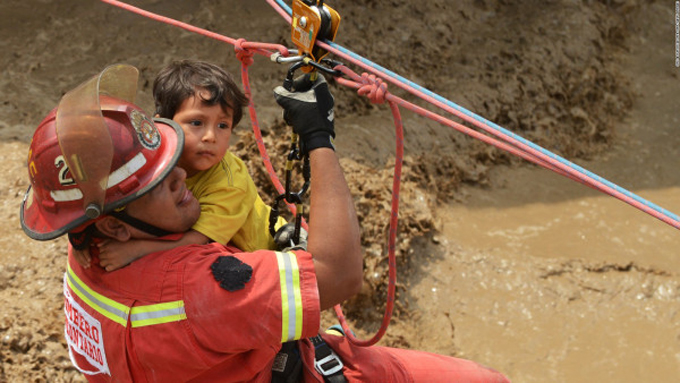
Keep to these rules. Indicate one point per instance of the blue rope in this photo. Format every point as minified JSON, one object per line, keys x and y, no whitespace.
{"x":494,"y":126}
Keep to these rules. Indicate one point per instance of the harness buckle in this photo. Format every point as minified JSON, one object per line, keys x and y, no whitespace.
{"x":328,"y":365}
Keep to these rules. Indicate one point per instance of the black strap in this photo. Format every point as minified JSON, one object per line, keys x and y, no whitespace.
{"x":81,"y":240}
{"x":287,"y":367}
{"x":139,"y":224}
{"x":326,"y":362}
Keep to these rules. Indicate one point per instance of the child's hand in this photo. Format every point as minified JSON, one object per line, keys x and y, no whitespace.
{"x":114,"y":255}
{"x":83,"y":257}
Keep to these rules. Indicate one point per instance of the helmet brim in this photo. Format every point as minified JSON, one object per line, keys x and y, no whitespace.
{"x":36,"y":218}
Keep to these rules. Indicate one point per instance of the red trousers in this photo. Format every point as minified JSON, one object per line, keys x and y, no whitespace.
{"x":384,"y":364}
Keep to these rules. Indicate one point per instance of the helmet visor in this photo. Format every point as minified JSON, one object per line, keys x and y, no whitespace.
{"x":84,"y":137}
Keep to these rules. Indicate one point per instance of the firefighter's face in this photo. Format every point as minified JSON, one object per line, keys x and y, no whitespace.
{"x":169,"y":206}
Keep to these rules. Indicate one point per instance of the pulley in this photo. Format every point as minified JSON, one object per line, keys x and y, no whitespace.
{"x":312,"y":21}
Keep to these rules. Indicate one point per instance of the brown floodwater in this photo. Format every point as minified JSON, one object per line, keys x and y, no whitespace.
{"x":582,"y":289}
{"x":547,"y":280}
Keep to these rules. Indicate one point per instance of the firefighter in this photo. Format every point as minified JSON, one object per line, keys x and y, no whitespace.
{"x":100,"y":168}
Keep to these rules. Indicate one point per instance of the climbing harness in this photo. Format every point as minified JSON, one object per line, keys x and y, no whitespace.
{"x":295,"y":154}
{"x":289,"y":196}
{"x":314,"y":40}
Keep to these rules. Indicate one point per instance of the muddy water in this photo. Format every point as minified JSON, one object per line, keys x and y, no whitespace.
{"x":595,"y":227}
{"x":548,"y":280}
{"x":583,"y":289}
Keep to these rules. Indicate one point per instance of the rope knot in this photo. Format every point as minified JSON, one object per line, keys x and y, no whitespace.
{"x":373,"y":87}
{"x":242,"y":53}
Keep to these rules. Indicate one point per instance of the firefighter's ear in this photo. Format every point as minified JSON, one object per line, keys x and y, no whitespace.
{"x":113,"y":228}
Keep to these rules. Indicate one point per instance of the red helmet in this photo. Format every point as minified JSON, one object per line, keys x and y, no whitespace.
{"x":94,"y":153}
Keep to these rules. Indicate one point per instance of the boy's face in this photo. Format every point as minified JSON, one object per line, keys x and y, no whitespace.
{"x":207,"y":130}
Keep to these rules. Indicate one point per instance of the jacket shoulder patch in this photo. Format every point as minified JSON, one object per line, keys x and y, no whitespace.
{"x":231,"y":273}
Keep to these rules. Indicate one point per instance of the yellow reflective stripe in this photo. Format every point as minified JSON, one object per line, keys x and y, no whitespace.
{"x":157,"y":314}
{"x":139,"y":315}
{"x":291,"y":297}
{"x":284,"y":297}
{"x":298,"y":297}
{"x":107,"y":307}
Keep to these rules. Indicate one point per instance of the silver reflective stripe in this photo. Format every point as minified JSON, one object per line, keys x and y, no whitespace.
{"x":291,"y":296}
{"x":107,"y":310}
{"x":157,"y":314}
{"x":128,"y":169}
{"x":147,"y":315}
{"x":66,"y":195}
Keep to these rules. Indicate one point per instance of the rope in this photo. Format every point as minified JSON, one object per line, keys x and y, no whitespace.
{"x":246,"y":57}
{"x":245,"y":51}
{"x":373,"y":87}
{"x":264,"y":49}
{"x":376,"y":91}
{"x":534,"y":153}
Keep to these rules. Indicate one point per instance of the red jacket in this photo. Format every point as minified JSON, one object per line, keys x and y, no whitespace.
{"x":166,"y":317}
{"x":210,"y":314}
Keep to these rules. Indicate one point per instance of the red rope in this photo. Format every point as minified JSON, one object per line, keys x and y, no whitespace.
{"x":245,"y":51}
{"x":263,"y":49}
{"x":519,"y":148}
{"x":376,"y":91}
{"x":280,"y":11}
{"x":373,"y":87}
{"x":245,"y":56}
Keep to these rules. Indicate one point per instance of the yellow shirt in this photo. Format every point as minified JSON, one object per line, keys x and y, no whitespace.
{"x":231,"y":208}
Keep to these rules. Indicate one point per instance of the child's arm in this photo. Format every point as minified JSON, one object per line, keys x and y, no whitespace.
{"x":113,"y":254}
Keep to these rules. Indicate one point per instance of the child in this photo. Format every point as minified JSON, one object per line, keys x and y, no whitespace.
{"x":204,"y":100}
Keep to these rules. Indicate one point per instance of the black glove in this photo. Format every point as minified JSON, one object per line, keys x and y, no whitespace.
{"x":308,"y":108}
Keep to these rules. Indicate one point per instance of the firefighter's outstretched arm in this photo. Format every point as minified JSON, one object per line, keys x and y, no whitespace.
{"x":334,"y":236}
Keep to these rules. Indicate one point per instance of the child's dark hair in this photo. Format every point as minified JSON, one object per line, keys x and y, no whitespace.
{"x":182,"y":79}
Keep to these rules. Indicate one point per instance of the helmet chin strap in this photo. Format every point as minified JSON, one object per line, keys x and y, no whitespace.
{"x":81,"y":240}
{"x":139,"y":224}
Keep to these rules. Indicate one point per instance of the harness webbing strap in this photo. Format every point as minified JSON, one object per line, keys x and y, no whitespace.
{"x":326,"y":362}
{"x":287,"y":367}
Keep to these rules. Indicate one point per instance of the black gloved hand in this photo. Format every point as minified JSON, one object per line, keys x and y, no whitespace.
{"x":308,"y":108}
